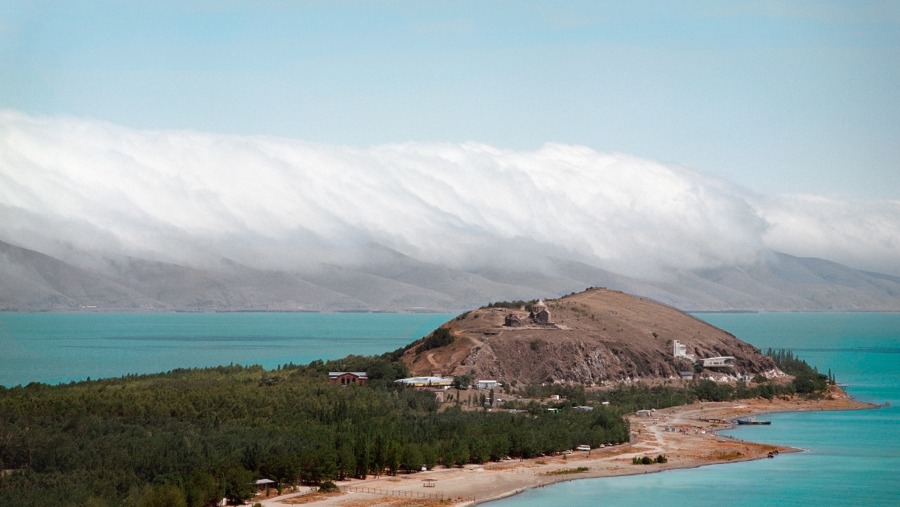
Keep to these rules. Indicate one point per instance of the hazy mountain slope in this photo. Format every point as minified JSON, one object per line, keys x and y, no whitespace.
{"x":552,"y":275}
{"x":378,"y":293}
{"x":32,"y":281}
{"x":783,"y":282}
{"x":227,"y":287}
{"x":466,"y":289}
{"x":391,"y":281}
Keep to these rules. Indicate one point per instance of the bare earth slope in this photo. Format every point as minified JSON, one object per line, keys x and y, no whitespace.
{"x":597,"y":336}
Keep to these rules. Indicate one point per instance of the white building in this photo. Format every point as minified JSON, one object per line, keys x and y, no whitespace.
{"x":426,"y":381}
{"x":486,"y":384}
{"x":680,"y":350}
{"x":718,"y":362}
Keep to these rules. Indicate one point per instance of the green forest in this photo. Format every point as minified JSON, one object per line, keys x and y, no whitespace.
{"x":193,"y":437}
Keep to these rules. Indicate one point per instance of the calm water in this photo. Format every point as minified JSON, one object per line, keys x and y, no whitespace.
{"x":852,"y":457}
{"x":53,"y":348}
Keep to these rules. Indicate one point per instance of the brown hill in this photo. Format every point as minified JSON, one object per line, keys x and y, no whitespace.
{"x":594,"y":337}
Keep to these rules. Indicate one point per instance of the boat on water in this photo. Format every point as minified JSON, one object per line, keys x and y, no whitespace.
{"x":751,"y":420}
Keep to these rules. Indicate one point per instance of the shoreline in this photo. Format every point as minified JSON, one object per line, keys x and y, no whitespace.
{"x":687,"y":435}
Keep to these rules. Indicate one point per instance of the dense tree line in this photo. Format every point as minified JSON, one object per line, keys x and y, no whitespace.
{"x":513,"y":305}
{"x":629,"y":399}
{"x":807,"y":379}
{"x":192,"y":437}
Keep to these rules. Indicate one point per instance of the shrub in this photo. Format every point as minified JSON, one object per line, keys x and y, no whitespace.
{"x":328,"y":487}
{"x":462,"y":382}
{"x":440,"y":337}
{"x":514,"y":305}
{"x":567,"y":471}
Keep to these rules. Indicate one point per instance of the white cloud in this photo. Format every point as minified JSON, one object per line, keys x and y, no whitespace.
{"x":862,"y":234}
{"x":193,"y":197}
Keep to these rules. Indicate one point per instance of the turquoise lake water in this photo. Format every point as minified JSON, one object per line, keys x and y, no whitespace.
{"x":852,"y":458}
{"x":60,"y":347}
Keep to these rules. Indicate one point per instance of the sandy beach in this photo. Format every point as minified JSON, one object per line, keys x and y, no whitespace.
{"x":686,"y":435}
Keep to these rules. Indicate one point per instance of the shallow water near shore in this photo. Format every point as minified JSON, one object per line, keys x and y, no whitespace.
{"x":851,"y":458}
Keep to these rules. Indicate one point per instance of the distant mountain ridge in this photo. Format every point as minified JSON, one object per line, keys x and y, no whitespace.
{"x":392,"y":281}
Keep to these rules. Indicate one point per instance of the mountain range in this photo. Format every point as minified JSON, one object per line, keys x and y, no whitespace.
{"x":391,"y":281}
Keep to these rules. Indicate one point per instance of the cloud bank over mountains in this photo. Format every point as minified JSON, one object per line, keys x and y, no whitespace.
{"x":78,"y":189}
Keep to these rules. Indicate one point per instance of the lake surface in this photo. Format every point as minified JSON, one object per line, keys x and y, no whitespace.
{"x":61,"y":347}
{"x":852,"y":458}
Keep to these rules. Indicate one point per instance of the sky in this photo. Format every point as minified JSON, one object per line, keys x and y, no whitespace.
{"x":632,"y":127}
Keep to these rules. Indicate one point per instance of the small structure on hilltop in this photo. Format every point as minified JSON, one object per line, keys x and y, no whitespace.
{"x":539,"y":313}
{"x":513,"y":320}
{"x":346,"y":378}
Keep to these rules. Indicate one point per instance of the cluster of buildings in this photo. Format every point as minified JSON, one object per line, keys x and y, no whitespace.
{"x":539,"y":315}
{"x":679,"y":350}
{"x":435,"y":384}
{"x":444,"y":382}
